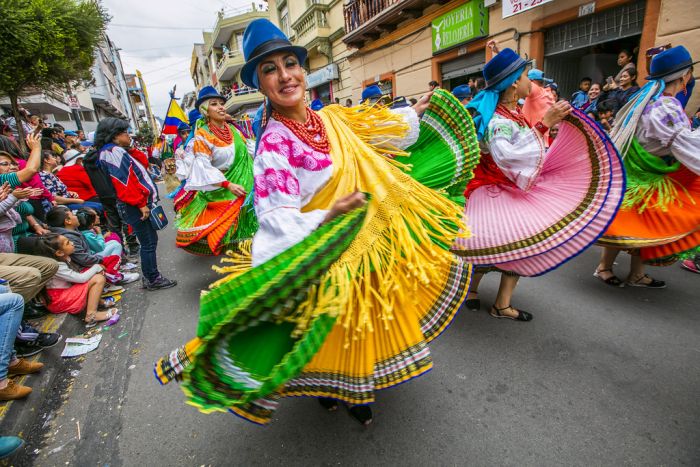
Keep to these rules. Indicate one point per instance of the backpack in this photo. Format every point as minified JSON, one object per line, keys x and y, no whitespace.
{"x":99,"y":177}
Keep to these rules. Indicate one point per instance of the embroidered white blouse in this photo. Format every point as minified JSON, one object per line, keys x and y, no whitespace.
{"x":288,"y":174}
{"x":664,"y":130}
{"x":518,"y":151}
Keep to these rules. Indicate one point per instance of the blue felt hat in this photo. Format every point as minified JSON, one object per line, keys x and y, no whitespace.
{"x":501,"y":66}
{"x":670,"y":61}
{"x":260,"y":39}
{"x":183,"y":126}
{"x":193,"y":116}
{"x":207,"y":92}
{"x":461,"y":92}
{"x":371,"y":92}
{"x":316,"y":104}
{"x":538,"y":75}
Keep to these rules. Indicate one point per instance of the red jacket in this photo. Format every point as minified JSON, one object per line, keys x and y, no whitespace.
{"x":76,"y":179}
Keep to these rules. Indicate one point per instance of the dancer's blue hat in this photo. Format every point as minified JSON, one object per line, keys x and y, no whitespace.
{"x":461,"y":92}
{"x":206,"y":93}
{"x":501,"y":66}
{"x":316,"y":104}
{"x":260,"y":39}
{"x":371,"y":92}
{"x":182,"y":127}
{"x":669,"y":62}
{"x":193,"y":116}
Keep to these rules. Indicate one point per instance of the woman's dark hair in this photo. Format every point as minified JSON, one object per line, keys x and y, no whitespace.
{"x":9,"y":146}
{"x":56,"y":217}
{"x":107,"y":129}
{"x":46,"y":144}
{"x":47,"y":245}
{"x":627,"y":52}
{"x":633,"y":75}
{"x":45,"y":155}
{"x":86,"y":218}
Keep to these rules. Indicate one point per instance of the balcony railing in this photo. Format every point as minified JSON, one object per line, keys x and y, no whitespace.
{"x":313,"y":19}
{"x":360,"y":12}
{"x":231,"y":54}
{"x":229,"y":64}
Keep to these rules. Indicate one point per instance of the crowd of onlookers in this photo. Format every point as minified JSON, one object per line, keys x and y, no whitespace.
{"x":73,"y":221}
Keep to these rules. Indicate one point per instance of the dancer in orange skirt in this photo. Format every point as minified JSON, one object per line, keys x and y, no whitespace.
{"x":659,"y":222}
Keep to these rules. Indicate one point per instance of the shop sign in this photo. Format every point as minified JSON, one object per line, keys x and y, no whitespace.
{"x":513,"y":7}
{"x":322,"y":76}
{"x":464,"y":23}
{"x":587,"y":9}
{"x":73,"y":102}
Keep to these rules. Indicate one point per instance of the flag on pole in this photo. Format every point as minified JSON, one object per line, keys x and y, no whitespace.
{"x":173,"y":118}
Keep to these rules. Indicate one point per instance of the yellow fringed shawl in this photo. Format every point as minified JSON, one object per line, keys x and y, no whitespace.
{"x":395,"y":253}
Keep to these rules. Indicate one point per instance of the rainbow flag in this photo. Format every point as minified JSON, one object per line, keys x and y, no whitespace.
{"x":173,"y":118}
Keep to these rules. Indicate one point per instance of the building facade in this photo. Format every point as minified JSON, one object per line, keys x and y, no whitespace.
{"x":319,"y":26}
{"x":403,"y":44}
{"x":218,"y":60}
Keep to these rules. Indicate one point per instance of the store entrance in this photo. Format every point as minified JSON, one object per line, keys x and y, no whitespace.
{"x":589,"y":45}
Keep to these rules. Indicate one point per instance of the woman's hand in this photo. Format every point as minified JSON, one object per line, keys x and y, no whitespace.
{"x":237,"y":190}
{"x":493,"y":45}
{"x":145,"y":212}
{"x":22,"y":193}
{"x":5,"y":191}
{"x":556,"y":113}
{"x":422,"y":103}
{"x":345,"y":205}
{"x":34,"y":141}
{"x":73,"y":194}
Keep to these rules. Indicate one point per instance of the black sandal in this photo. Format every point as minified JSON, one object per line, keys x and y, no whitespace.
{"x":473,"y":304}
{"x":612,"y":281}
{"x":522,"y":315}
{"x":361,"y":413}
{"x":329,"y":404}
{"x":653,"y":284}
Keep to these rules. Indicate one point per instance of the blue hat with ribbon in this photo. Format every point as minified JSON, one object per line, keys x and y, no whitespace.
{"x":316,"y":104}
{"x":500,"y":73}
{"x":260,"y":39}
{"x":371,"y":92}
{"x":206,"y":93}
{"x":461,"y":92}
{"x":182,"y":127}
{"x":538,"y":75}
{"x":193,"y":116}
{"x":501,"y":66}
{"x":669,"y":62}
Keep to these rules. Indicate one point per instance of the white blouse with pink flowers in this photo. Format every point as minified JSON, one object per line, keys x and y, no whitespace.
{"x":288,"y":174}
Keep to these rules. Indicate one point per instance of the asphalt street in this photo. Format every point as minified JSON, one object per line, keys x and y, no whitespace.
{"x":601,"y":376}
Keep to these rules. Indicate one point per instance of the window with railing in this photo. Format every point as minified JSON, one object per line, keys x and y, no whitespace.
{"x":284,"y":20}
{"x":359,"y":12}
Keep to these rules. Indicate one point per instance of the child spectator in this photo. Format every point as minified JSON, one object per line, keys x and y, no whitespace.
{"x":89,"y":226}
{"x":604,"y":116}
{"x":9,"y":218}
{"x":580,"y":97}
{"x":63,"y":221}
{"x":70,"y":290}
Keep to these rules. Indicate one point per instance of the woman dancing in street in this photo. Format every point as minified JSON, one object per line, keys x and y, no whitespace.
{"x":217,"y":181}
{"x":531,"y":210}
{"x":351,"y":274}
{"x":659,"y":222}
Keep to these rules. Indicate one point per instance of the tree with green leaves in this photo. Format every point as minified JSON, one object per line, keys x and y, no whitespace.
{"x":145,"y":135}
{"x":47,"y":45}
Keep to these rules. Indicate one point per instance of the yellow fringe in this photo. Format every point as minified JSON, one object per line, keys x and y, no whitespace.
{"x":394,"y":254}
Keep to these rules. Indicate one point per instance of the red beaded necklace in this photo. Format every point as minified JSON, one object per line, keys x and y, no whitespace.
{"x":224,"y":134}
{"x":514,"y":115}
{"x":312,"y":132}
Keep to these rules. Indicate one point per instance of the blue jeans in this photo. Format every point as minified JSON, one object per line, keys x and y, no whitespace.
{"x":112,"y":248}
{"x":11,"y":309}
{"x":148,"y":238}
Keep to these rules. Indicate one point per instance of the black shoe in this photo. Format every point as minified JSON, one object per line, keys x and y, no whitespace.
{"x":43,"y":341}
{"x":160,"y":283}
{"x":32,"y":311}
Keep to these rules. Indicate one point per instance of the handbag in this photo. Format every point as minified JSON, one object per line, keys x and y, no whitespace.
{"x":158,"y":218}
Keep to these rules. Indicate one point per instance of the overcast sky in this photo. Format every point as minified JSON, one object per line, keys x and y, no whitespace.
{"x":156,"y":37}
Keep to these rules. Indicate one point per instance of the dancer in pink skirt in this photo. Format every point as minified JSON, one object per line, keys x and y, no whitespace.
{"x":531,"y":210}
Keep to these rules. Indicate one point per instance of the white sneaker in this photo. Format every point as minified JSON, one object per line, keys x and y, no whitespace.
{"x":113,"y":288}
{"x":130,"y":277}
{"x":128,"y":267}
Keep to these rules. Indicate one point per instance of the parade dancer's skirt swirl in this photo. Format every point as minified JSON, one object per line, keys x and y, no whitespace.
{"x":571,"y":204}
{"x":350,"y":309}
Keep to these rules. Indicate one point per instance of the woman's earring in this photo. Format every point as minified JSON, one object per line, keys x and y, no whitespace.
{"x":685,"y":89}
